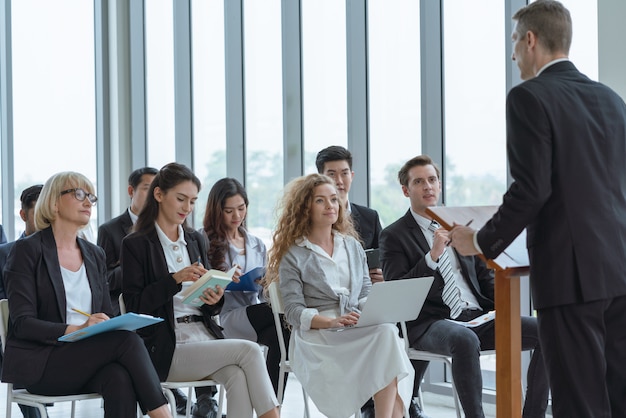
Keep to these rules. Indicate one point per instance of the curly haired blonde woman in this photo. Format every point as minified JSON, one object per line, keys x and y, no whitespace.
{"x":323,"y":277}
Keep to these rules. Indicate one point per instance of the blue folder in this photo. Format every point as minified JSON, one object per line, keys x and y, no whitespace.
{"x":129,"y":322}
{"x":248,"y":282}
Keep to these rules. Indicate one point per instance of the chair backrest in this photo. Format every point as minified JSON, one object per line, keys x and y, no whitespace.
{"x":122,"y":304}
{"x":276,"y":302}
{"x":276,"y":299}
{"x":4,"y":321}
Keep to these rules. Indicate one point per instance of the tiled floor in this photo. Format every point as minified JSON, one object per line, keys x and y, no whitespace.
{"x":437,"y":406}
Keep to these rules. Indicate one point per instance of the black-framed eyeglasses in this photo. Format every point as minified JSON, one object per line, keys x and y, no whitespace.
{"x":80,"y":195}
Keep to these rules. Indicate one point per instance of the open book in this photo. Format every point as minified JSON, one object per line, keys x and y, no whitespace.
{"x":210,"y":279}
{"x":128,"y":322}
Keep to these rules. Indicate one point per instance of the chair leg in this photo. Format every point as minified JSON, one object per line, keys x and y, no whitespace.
{"x":73,"y":409}
{"x":9,"y":398}
{"x":171,"y":400}
{"x":220,"y":405}
{"x":281,"y":386}
{"x":189,"y":403}
{"x":306,"y":404}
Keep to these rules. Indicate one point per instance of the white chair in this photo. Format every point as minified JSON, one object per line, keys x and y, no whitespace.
{"x":169,"y":387}
{"x":414,"y":354}
{"x":22,"y":396}
{"x":276,"y":302}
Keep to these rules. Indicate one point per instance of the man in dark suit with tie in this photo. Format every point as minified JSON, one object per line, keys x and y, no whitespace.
{"x":463,"y":290}
{"x":566,"y":146}
{"x":110,"y":234}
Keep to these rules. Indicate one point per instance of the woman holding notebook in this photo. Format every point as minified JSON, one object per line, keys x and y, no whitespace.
{"x":324,"y":280}
{"x":159,"y":260}
{"x":57,"y":284}
{"x":245,"y":313}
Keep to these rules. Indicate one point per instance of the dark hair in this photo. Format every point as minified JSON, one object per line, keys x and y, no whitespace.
{"x":29,"y":196}
{"x":550,"y":21}
{"x":213,"y":225}
{"x":135,"y":177}
{"x":420,"y":160}
{"x":332,"y":153}
{"x":171,"y":175}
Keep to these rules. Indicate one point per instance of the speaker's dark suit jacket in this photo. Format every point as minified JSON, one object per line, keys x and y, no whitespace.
{"x":149,"y":288}
{"x":110,"y":236}
{"x":367,"y":224}
{"x":37,"y":301}
{"x":569,"y":187}
{"x":402,"y":250}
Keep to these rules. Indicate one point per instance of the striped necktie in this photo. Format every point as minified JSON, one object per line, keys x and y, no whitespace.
{"x":451,"y":294}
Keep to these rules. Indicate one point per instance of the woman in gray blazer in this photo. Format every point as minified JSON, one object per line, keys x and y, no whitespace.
{"x":324,"y":280}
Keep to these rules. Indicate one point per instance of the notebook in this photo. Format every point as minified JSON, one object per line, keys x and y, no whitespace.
{"x":394,"y":301}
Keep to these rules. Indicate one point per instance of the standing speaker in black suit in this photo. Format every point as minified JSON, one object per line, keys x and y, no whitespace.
{"x":566,"y":146}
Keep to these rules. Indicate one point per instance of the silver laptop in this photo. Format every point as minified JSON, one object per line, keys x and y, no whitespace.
{"x":394,"y":301}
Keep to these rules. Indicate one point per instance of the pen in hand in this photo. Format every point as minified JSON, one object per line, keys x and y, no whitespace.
{"x":467,"y":224}
{"x":81,"y":312}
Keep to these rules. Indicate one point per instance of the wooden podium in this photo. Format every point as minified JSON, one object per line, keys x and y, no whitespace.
{"x":508,"y":267}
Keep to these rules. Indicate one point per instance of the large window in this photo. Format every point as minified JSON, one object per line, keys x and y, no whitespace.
{"x":394,"y":100}
{"x":209,"y":105}
{"x":263,"y":110}
{"x":474,"y":102}
{"x":53,"y":93}
{"x":474,"y":111}
{"x":159,"y":51}
{"x":323,"y":77}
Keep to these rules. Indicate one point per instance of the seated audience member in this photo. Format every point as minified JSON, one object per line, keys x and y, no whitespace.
{"x":160,"y":259}
{"x":110,"y":236}
{"x":111,"y":233}
{"x":48,"y":275}
{"x":323,"y":277}
{"x":245,"y":314}
{"x":336,"y":162}
{"x":415,"y":246}
{"x":28,"y":199}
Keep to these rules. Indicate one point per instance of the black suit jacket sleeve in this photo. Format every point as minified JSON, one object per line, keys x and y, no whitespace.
{"x":4,"y":254}
{"x":367,"y":224}
{"x":110,"y":236}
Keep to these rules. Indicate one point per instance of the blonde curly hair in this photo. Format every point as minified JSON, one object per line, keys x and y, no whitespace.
{"x":295,"y":219}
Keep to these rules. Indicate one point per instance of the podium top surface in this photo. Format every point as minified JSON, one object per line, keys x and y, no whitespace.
{"x":514,"y":257}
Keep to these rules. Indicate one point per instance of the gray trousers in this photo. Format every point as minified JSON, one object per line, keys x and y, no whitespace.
{"x":237,"y":364}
